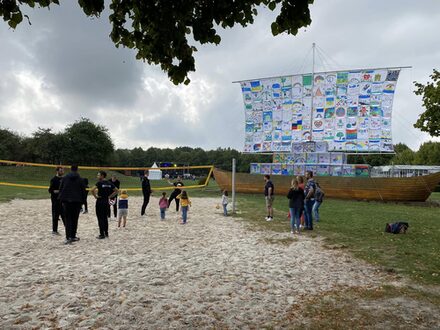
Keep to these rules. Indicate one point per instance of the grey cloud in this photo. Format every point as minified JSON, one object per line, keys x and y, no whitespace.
{"x":80,"y":67}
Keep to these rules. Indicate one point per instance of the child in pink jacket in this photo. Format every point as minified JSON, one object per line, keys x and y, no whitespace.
{"x":163,"y":205}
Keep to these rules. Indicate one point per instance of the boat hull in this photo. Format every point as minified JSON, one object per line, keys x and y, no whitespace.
{"x":414,"y":189}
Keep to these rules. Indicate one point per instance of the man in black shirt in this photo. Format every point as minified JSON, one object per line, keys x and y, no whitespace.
{"x":269,"y":196}
{"x":146,"y":191}
{"x":176,"y":192}
{"x":103,"y":191}
{"x":72,"y":195}
{"x":117,"y":184}
{"x":57,"y":208}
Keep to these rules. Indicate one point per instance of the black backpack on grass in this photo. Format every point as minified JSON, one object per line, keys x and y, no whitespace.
{"x":396,"y":227}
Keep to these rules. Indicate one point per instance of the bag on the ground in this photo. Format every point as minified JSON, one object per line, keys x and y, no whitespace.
{"x":396,"y":227}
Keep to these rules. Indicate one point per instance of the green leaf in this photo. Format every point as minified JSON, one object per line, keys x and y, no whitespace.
{"x":272,"y":5}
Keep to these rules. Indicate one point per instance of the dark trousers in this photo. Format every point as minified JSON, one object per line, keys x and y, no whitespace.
{"x":308,"y":205}
{"x":57,"y":212}
{"x":85,"y":202}
{"x":173,"y":196}
{"x":71,"y":213}
{"x":102,"y":211}
{"x":145,"y":203}
{"x":115,"y":207}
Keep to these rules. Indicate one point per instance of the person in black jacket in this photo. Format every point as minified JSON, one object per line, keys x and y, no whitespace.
{"x":146,"y":191}
{"x":57,"y":208}
{"x":296,"y":205}
{"x":176,"y":192}
{"x":72,"y":195}
{"x":117,"y":184}
{"x":103,"y":191}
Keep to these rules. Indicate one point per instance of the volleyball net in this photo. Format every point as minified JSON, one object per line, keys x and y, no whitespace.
{"x":38,"y":175}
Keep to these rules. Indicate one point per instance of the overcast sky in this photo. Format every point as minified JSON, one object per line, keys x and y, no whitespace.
{"x":64,"y":66}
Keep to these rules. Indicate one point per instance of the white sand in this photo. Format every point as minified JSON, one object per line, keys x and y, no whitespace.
{"x":212,"y":272}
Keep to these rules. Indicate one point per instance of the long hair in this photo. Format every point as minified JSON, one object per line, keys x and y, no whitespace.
{"x":183,"y":195}
{"x":294,"y":183}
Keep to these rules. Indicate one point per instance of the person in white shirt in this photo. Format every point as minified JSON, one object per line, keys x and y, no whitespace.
{"x":225,"y":202}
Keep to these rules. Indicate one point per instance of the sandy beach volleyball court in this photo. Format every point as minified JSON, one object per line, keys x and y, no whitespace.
{"x":212,"y":272}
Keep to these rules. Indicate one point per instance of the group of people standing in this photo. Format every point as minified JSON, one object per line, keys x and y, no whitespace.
{"x":304,"y":201}
{"x":69,"y":194}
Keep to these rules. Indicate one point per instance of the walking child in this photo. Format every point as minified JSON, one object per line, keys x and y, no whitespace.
{"x":163,"y":205}
{"x":122,"y":208}
{"x":225,"y":202}
{"x":185,"y":203}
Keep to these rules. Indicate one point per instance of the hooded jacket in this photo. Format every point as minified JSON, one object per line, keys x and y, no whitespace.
{"x":72,"y":188}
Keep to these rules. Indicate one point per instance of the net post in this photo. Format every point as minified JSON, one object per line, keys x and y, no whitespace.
{"x":233,"y":185}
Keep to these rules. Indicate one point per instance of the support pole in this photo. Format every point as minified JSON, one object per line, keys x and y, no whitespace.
{"x":233,"y":185}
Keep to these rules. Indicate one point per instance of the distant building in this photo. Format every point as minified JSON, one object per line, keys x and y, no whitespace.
{"x":403,"y":171}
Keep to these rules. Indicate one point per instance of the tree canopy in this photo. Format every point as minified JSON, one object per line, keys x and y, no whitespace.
{"x":429,"y":121}
{"x":160,"y":30}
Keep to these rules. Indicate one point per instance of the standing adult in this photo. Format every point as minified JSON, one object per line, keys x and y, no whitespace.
{"x":309,"y":200}
{"x":301,"y":185}
{"x":86,"y":186}
{"x":114,"y":200}
{"x":57,"y":208}
{"x":72,"y":195}
{"x":176,"y":192}
{"x":319,"y":196}
{"x":296,"y":204}
{"x":269,"y":191}
{"x":146,"y":191}
{"x":103,"y":191}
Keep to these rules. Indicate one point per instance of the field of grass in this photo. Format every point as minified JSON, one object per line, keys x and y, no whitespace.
{"x":359,"y":227}
{"x":40,"y":176}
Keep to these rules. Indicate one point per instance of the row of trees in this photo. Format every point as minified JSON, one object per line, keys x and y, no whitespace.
{"x":86,"y":143}
{"x":82,"y":143}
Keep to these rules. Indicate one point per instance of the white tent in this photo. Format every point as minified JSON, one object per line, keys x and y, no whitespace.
{"x":154,"y":173}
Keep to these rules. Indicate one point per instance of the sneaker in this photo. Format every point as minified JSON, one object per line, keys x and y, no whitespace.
{"x":67,"y":241}
{"x":269,"y":219}
{"x":55,"y":233}
{"x":106,"y":235}
{"x":75,"y":239}
{"x":100,"y":237}
{"x":292,"y":232}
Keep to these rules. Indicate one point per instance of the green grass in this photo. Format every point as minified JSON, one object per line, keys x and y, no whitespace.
{"x":435,"y":197}
{"x":359,"y":227}
{"x":40,"y":176}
